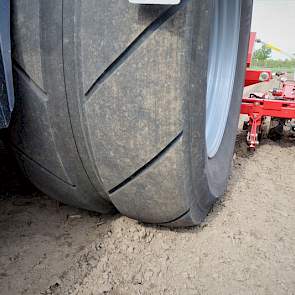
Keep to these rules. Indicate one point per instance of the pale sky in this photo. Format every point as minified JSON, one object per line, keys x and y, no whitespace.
{"x":274,"y":22}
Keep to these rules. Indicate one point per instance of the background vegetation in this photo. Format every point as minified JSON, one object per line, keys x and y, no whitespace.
{"x":262,"y":60}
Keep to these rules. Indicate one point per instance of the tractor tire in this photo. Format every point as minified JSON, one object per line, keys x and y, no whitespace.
{"x":133,"y":107}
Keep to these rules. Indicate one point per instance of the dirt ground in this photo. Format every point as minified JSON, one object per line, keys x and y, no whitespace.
{"x":245,"y":246}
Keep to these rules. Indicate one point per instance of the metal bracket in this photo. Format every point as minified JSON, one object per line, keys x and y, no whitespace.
{"x":6,"y":79}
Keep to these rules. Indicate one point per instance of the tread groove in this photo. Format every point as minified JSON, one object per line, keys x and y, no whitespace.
{"x":18,"y":150}
{"x":28,"y":79}
{"x":147,"y":165}
{"x":177,"y":218}
{"x":134,"y":45}
{"x":68,"y":104}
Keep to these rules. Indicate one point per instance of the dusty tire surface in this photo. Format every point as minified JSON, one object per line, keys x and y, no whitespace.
{"x":111,"y":106}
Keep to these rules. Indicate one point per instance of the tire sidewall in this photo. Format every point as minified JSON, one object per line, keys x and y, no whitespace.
{"x":207,"y":178}
{"x":218,"y":168}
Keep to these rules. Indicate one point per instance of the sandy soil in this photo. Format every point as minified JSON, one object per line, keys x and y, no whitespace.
{"x":246,"y":245}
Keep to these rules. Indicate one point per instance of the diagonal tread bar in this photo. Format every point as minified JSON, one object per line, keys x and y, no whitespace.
{"x":147,"y":165}
{"x":136,"y":43}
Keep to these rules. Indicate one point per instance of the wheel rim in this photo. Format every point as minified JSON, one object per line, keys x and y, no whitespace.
{"x":222,"y":61}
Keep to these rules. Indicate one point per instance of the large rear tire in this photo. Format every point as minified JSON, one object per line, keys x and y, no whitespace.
{"x":135,"y":106}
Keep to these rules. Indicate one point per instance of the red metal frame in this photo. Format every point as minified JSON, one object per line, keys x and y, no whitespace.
{"x":287,"y":90}
{"x":259,"y":106}
{"x":268,"y":107}
{"x":251,"y":48}
{"x":257,"y":109}
{"x":257,"y":76}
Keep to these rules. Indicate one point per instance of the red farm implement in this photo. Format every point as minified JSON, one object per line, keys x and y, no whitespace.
{"x":277,"y":104}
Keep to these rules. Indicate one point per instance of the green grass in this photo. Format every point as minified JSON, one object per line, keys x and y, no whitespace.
{"x":290,"y":71}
